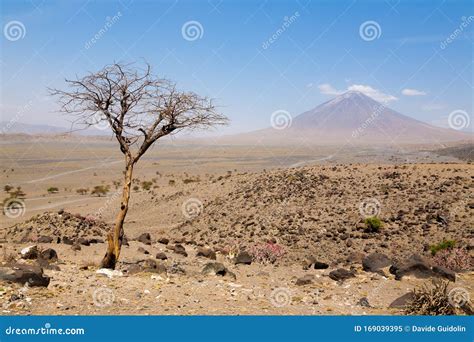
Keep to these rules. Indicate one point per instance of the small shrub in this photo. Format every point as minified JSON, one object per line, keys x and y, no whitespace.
{"x":266,"y":253}
{"x":171,"y":182}
{"x":82,"y":191}
{"x":53,"y":190}
{"x":7,"y":188}
{"x":100,"y":190}
{"x":146,"y":185}
{"x":136,"y":188}
{"x":373,"y":224}
{"x":456,"y":259}
{"x":445,"y":244}
{"x":431,"y":300}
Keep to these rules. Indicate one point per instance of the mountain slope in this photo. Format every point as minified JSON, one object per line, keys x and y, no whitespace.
{"x":352,"y":118}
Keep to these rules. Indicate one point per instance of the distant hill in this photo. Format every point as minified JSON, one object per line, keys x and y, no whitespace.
{"x":12,"y":127}
{"x":351,"y":118}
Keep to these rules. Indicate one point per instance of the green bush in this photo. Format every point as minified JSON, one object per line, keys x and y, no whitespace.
{"x":53,"y":190}
{"x":373,"y":224}
{"x":445,"y":244}
{"x":100,"y":190}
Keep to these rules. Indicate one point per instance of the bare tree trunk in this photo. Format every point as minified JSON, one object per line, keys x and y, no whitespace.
{"x":115,"y":235}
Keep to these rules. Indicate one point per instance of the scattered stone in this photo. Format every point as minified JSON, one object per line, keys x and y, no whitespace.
{"x":402,"y":301}
{"x":67,"y":241}
{"x":243,"y":258}
{"x":161,"y":256}
{"x":145,"y":238}
{"x":45,"y":239}
{"x":22,"y":274}
{"x":76,"y":247}
{"x":49,"y":255}
{"x":364,"y":302}
{"x":216,"y":268}
{"x":312,"y":262}
{"x":179,"y":249}
{"x":30,"y":252}
{"x":83,"y":241}
{"x":206,"y":253}
{"x":150,"y":265}
{"x":318,"y":265}
{"x":109,"y":273}
{"x":375,"y":261}
{"x":305,"y":280}
{"x":341,"y":274}
{"x":163,"y":240}
{"x":142,"y":250}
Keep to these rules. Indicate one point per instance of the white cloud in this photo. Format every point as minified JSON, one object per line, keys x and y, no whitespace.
{"x":412,"y":92}
{"x":328,"y":89}
{"x":376,"y":94}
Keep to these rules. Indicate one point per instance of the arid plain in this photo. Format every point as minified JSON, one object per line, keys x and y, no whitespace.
{"x":197,"y":207}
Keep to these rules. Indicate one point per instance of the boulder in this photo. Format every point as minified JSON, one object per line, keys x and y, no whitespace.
{"x":444,"y":273}
{"x":305,"y":280}
{"x":161,"y":256}
{"x":375,"y":261}
{"x":243,"y":258}
{"x":318,"y":265}
{"x":216,"y":268}
{"x":179,"y":249}
{"x":341,"y":274}
{"x":145,"y":238}
{"x":163,"y":240}
{"x":402,"y":301}
{"x":22,"y":274}
{"x":415,"y":265}
{"x":49,"y":255}
{"x":30,"y":252}
{"x":206,"y":253}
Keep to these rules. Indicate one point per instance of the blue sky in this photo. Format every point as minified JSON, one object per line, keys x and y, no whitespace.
{"x":245,"y":55}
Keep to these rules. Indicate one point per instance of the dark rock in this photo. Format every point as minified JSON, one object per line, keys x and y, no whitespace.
{"x":375,"y":261}
{"x":22,"y":274}
{"x":444,"y":273}
{"x":243,"y":258}
{"x":341,"y":274}
{"x":163,"y":240}
{"x":402,"y":301}
{"x":49,"y":255}
{"x":364,"y":302}
{"x":318,"y":265}
{"x":161,"y":256}
{"x":414,"y":265}
{"x":206,"y":253}
{"x":305,"y":280}
{"x":83,"y":241}
{"x":142,"y":250}
{"x":216,"y":268}
{"x":67,"y":241}
{"x":30,"y":252}
{"x":179,"y":249}
{"x":95,"y":240}
{"x":76,"y":247}
{"x":145,"y":238}
{"x":45,"y":239}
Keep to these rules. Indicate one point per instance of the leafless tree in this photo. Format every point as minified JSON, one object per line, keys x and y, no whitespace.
{"x":139,"y":108}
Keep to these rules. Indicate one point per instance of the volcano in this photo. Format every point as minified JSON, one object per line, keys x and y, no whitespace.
{"x":352,"y":118}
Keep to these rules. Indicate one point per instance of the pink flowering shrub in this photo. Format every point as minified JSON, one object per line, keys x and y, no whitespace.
{"x":456,"y":259}
{"x":266,"y":253}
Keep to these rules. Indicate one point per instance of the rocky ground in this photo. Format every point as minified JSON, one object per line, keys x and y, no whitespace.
{"x":198,"y":244}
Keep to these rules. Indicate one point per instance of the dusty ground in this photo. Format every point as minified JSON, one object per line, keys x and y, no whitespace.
{"x":242,"y":195}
